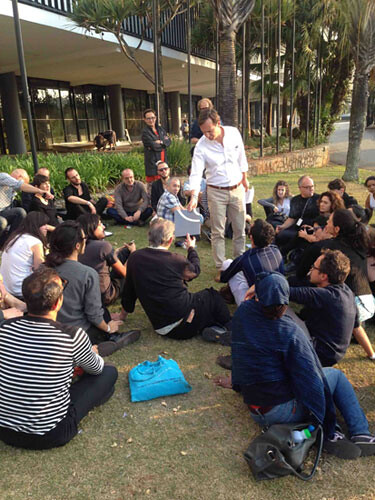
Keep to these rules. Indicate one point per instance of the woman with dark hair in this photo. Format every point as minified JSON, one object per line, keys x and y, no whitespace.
{"x":328,"y":202}
{"x":370,"y":200}
{"x":100,"y":255}
{"x":277,"y":208}
{"x":351,"y":237}
{"x":82,"y":304}
{"x":24,"y":251}
{"x":40,"y":204}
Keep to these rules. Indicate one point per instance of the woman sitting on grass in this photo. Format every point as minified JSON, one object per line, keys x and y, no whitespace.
{"x":24,"y":251}
{"x":40,"y":204}
{"x":99,"y":254}
{"x":277,"y":208}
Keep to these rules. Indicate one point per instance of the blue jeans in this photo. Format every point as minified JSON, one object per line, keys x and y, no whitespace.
{"x":344,"y":398}
{"x":144,"y":216}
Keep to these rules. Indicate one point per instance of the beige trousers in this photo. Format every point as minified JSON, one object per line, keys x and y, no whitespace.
{"x":223,"y":204}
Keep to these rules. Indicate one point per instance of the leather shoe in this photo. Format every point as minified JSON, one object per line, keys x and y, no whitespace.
{"x":124,"y":338}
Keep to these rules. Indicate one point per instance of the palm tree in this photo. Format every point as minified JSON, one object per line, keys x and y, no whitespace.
{"x":230,"y":15}
{"x":360,"y":15}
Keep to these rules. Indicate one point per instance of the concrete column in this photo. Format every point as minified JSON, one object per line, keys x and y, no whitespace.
{"x":12,"y":114}
{"x":116,"y":107}
{"x":175,"y":112}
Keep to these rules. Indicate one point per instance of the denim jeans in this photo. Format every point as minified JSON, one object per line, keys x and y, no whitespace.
{"x":344,"y":398}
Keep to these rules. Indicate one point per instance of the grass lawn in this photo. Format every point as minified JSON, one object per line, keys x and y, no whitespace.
{"x":192,"y":446}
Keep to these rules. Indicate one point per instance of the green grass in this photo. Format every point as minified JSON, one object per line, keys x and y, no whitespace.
{"x":212,"y":425}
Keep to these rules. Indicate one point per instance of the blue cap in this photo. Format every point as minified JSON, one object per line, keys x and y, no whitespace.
{"x":272,"y":289}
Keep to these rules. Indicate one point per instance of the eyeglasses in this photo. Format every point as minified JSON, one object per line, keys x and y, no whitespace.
{"x":64,"y":283}
{"x":314,"y":267}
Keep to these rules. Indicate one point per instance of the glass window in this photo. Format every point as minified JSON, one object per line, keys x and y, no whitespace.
{"x":70,"y":126}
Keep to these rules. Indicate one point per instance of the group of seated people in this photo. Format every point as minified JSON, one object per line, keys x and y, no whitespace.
{"x":59,"y":280}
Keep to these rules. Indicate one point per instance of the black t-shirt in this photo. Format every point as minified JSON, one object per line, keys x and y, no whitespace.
{"x":305,"y":208}
{"x":100,"y":255}
{"x":73,"y":209}
{"x":48,"y":209}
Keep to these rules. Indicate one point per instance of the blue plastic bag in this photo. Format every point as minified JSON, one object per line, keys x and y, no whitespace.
{"x":150,"y":380}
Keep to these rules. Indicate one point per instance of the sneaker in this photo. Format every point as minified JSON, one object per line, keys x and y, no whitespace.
{"x":224,"y":361}
{"x":124,"y":338}
{"x":227,"y":294}
{"x":341,"y":447}
{"x":217,"y":334}
{"x":366,"y":443}
{"x":207,"y":233}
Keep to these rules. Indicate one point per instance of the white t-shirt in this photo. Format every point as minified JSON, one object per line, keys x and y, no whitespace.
{"x":17,"y":263}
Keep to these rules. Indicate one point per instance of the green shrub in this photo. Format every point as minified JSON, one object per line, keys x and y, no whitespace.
{"x":98,"y":170}
{"x":179,"y":157}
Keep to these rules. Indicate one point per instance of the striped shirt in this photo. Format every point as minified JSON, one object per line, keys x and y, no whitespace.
{"x":37,"y":358}
{"x":253,"y":262}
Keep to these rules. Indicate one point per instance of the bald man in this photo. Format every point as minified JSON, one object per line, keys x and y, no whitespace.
{"x":11,"y":216}
{"x":131,"y":201}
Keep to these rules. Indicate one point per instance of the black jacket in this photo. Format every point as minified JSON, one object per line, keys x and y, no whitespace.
{"x":153,"y":150}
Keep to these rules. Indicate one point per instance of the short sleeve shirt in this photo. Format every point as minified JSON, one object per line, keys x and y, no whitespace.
{"x":8,"y":188}
{"x":99,"y":255}
{"x":166,"y":202}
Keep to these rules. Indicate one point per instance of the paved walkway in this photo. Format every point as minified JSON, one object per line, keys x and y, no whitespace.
{"x":338,"y":146}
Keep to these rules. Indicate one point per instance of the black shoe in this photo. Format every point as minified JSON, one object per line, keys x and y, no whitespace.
{"x":366,"y":443}
{"x":342,"y":447}
{"x":225,"y":361}
{"x":179,"y":244}
{"x":124,"y":338}
{"x":217,"y":334}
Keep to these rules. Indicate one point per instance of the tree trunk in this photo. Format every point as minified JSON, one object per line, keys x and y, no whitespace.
{"x":247,"y":79}
{"x":228,"y":106}
{"x":269,"y":116}
{"x":285,"y":107}
{"x":357,"y":124}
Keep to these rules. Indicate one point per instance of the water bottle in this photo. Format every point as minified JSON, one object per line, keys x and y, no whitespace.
{"x":299,"y":436}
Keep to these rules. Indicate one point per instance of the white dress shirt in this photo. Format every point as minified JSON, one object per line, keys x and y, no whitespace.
{"x":224,"y":164}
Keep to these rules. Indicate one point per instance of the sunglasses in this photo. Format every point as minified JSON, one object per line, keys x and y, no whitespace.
{"x":162,"y":169}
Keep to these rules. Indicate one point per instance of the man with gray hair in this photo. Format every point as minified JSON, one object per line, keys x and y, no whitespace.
{"x":303,"y":211}
{"x":169,"y":202}
{"x":18,"y":180}
{"x":157,"y":277}
{"x":131,"y":201}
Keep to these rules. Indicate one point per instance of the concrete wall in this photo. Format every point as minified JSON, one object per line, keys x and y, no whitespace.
{"x":316,"y":157}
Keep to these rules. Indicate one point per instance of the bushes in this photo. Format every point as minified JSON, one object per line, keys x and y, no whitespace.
{"x":97,"y":170}
{"x":179,"y":157}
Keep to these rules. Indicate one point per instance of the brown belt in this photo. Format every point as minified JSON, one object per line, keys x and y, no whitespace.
{"x":226,"y":188}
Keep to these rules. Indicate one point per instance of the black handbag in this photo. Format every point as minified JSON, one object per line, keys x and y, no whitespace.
{"x":274,"y":454}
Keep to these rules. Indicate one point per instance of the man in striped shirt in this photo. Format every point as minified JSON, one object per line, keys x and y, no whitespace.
{"x":39,"y":408}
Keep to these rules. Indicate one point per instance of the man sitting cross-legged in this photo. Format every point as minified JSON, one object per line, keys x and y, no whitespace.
{"x":262,"y":256}
{"x":330,"y":311}
{"x":39,"y":408}
{"x":157,"y":278}
{"x":279,"y":375}
{"x":131,"y":201}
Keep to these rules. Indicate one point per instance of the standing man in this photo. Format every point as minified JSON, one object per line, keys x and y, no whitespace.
{"x":78,"y":198}
{"x":196,"y":132}
{"x":221,"y":152}
{"x":159,"y":186}
{"x":131,"y":202}
{"x":155,"y":141}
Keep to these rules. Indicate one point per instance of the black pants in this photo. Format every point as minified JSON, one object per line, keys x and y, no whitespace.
{"x":88,"y":392}
{"x":210,"y":309}
{"x":146,"y":214}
